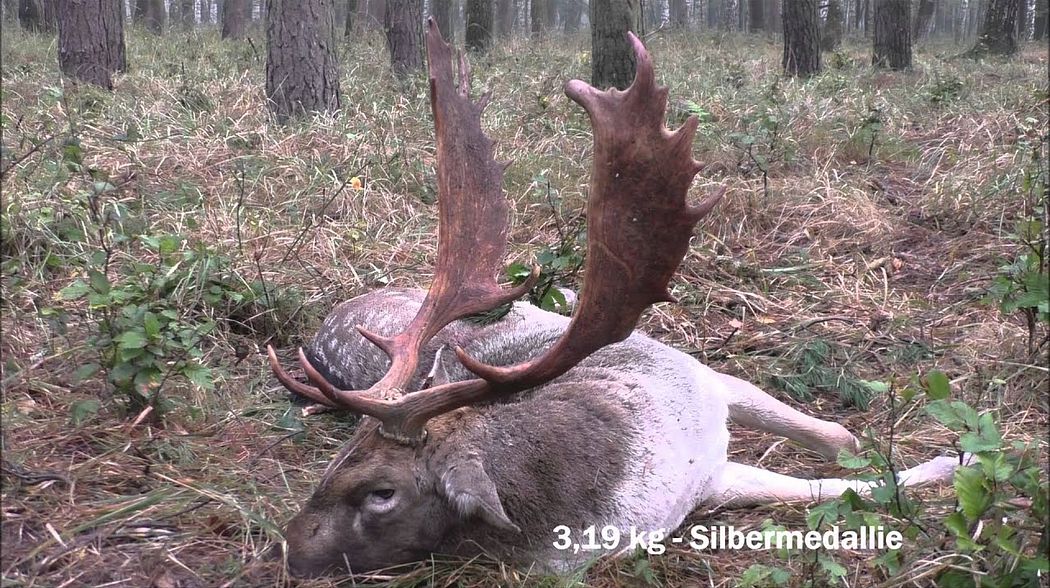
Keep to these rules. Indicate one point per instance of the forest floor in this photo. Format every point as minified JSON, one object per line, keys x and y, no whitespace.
{"x":867,"y":218}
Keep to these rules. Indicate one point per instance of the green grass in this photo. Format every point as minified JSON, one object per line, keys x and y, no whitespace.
{"x":882,"y":257}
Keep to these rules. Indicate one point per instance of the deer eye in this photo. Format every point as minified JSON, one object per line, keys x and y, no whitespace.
{"x":383,"y":493}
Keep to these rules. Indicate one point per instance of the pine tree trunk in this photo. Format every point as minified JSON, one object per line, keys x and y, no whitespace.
{"x":1042,"y":11}
{"x":892,"y":47}
{"x":442,"y":11}
{"x":235,"y":18}
{"x":189,"y":16}
{"x":831,"y":36}
{"x":757,"y":15}
{"x":801,"y":38}
{"x":351,"y":18}
{"x":505,"y":17}
{"x":404,"y":32}
{"x":1022,"y":22}
{"x":302,"y":73}
{"x":923,"y":18}
{"x":679,"y":13}
{"x":997,"y":30}
{"x":537,"y":16}
{"x":155,"y":16}
{"x":612,"y":58}
{"x":553,"y":10}
{"x":91,"y":40}
{"x":478,"y":34}
{"x":573,"y":15}
{"x":31,"y":15}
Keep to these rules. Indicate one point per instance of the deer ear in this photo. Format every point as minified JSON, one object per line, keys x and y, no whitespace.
{"x":472,"y":493}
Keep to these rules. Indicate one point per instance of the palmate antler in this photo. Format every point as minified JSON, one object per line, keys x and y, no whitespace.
{"x":639,"y":226}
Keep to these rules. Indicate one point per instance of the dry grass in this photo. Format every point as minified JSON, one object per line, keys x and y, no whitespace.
{"x":886,"y":258}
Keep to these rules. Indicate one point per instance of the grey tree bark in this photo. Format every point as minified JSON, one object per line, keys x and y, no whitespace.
{"x":156,"y":16}
{"x":572,"y":13}
{"x":505,"y":12}
{"x":831,"y":36}
{"x":892,"y":46}
{"x":756,"y":15}
{"x":478,"y":35}
{"x":1042,"y":11}
{"x":801,"y":38}
{"x":1022,"y":22}
{"x":351,"y":21}
{"x":537,"y":16}
{"x":923,"y":18}
{"x":91,"y":41}
{"x":997,"y":30}
{"x":442,"y":12}
{"x":235,"y":17}
{"x":302,"y":73}
{"x":403,"y":21}
{"x":31,"y":16}
{"x":612,"y":60}
{"x":679,"y":13}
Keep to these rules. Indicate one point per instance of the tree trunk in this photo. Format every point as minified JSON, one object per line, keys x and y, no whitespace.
{"x":91,"y":40}
{"x":442,"y":12}
{"x":537,"y":16}
{"x":49,"y":15}
{"x":801,"y":38}
{"x":997,"y":31}
{"x":235,"y":19}
{"x":923,"y":18}
{"x":31,"y":15}
{"x":1042,"y":11}
{"x":612,"y":58}
{"x":376,"y":15}
{"x":404,"y":32}
{"x":302,"y":73}
{"x":831,"y":36}
{"x":679,"y":13}
{"x":1022,"y":22}
{"x":155,"y":16}
{"x":756,"y":15}
{"x":892,"y":47}
{"x":552,"y":15}
{"x":505,"y":17}
{"x":351,"y":18}
{"x":478,"y":35}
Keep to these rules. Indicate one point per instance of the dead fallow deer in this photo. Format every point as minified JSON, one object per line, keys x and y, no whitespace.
{"x":536,"y":421}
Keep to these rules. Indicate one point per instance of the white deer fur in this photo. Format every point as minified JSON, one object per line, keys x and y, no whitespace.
{"x":676,"y":438}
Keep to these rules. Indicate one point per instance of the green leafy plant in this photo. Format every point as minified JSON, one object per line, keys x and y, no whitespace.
{"x":151,"y":321}
{"x":761,"y":140}
{"x":559,"y":263}
{"x":944,"y":89}
{"x":1023,"y":284}
{"x":1002,"y":525}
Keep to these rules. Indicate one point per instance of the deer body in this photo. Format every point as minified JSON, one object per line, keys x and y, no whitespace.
{"x":634,"y":437}
{"x":631,"y":437}
{"x":486,"y":438}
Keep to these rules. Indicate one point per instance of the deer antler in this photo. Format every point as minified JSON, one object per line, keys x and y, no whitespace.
{"x":639,"y":226}
{"x":472,"y":238}
{"x":638,"y":221}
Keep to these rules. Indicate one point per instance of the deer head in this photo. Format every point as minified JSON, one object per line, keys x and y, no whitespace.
{"x":408,"y":484}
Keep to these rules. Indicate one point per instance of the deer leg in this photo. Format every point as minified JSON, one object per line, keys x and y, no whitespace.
{"x":743,"y":485}
{"x":751,"y":407}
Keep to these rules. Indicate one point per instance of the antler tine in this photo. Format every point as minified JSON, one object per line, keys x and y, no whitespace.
{"x":639,"y":223}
